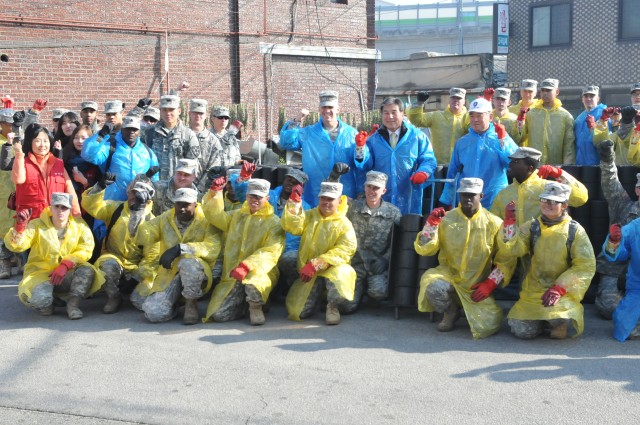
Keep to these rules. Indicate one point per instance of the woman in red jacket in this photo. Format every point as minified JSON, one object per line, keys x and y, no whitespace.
{"x":37,"y":173}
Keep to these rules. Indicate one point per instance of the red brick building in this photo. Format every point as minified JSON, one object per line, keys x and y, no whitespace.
{"x":275,"y":52}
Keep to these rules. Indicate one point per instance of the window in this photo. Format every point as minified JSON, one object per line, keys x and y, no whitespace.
{"x":550,"y":25}
{"x":629,"y":20}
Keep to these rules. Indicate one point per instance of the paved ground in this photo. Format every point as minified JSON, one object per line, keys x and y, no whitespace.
{"x":372,"y":369}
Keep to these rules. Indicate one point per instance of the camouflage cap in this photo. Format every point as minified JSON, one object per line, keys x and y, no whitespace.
{"x":635,"y":87}
{"x":89,"y":104}
{"x":131,"y":121}
{"x":530,"y":85}
{"x":61,"y":198}
{"x":526,"y":152}
{"x":377,"y":179}
{"x":187,"y":165}
{"x":330,"y":190}
{"x":57,"y":113}
{"x":329,"y":98}
{"x":113,"y":106}
{"x":258,"y":187}
{"x":549,"y":83}
{"x":220,"y":111}
{"x":470,"y":185}
{"x":6,"y":115}
{"x":152,"y":112}
{"x":503,"y":93}
{"x":595,"y":90}
{"x":555,"y":191}
{"x":185,"y":194}
{"x":170,"y":101}
{"x":198,"y":105}
{"x":299,"y":175}
{"x":457,"y":92}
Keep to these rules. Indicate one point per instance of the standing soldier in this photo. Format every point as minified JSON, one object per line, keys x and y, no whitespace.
{"x":89,"y":115}
{"x":209,"y":144}
{"x":501,"y":114}
{"x":586,"y":153}
{"x":528,"y":90}
{"x":229,"y":146}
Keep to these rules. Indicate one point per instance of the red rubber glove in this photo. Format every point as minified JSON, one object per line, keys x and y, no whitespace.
{"x":549,"y":171}
{"x":483,"y":290}
{"x":22,"y":219}
{"x":606,"y":113}
{"x":240,"y":272}
{"x":296,"y":194}
{"x":615,"y":233}
{"x":374,"y":128}
{"x":552,"y":295}
{"x":307,"y":272}
{"x":591,"y":122}
{"x":419,"y":177}
{"x":8,"y":102}
{"x":218,"y":183}
{"x":58,"y":273}
{"x":436,"y":215}
{"x":488,"y":94}
{"x":523,"y":114}
{"x":638,"y":126}
{"x":39,"y":105}
{"x":500,"y":131}
{"x":361,"y":138}
{"x":510,"y":213}
{"x":247,"y":170}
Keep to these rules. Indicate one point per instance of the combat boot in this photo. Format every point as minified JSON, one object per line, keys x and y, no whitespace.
{"x":191,"y":314}
{"x":333,"y":315}
{"x":256,"y":316}
{"x":73,"y":309}
{"x":46,"y":311}
{"x":114,"y":301}
{"x":449,"y":319}
{"x":560,"y":331}
{"x":5,"y":269}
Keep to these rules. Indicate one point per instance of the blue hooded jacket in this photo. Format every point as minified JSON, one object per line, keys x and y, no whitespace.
{"x":586,"y":152}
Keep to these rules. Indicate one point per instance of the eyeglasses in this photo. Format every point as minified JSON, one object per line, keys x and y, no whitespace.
{"x":223,"y":118}
{"x":549,"y":201}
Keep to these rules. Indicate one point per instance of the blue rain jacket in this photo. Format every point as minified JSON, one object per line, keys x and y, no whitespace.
{"x":319,"y":154}
{"x":481,"y":156}
{"x":292,"y":242}
{"x":126,"y":162}
{"x":586,"y":152}
{"x":627,"y":314}
{"x":413,"y":153}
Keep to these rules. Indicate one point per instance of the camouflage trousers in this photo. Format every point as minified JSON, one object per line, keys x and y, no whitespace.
{"x":233,"y":305}
{"x":441,"y":294}
{"x":377,"y":286}
{"x":76,"y":283}
{"x":529,"y":329}
{"x":608,"y":295}
{"x":115,"y":274}
{"x":161,"y":306}
{"x":315,"y":296}
{"x":288,"y":266}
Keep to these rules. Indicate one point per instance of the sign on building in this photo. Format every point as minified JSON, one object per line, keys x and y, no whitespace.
{"x":500,"y":28}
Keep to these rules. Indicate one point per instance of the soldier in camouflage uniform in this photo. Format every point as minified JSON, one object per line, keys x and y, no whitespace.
{"x":169,"y":138}
{"x":229,"y":144}
{"x":373,"y":220}
{"x":622,"y":210}
{"x":210,"y":147}
{"x":88,"y":114}
{"x":185,"y":175}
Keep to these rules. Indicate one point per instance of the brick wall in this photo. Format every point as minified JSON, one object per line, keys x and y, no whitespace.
{"x":69,"y":65}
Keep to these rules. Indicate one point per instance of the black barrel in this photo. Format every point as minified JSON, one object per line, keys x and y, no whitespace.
{"x":574,"y":170}
{"x":599,"y":225}
{"x":591,"y":179}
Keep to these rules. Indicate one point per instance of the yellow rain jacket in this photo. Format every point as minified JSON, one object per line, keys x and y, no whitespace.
{"x":47,"y":251}
{"x":160,"y":234}
{"x":468,"y":251}
{"x":515,"y":109}
{"x":634,"y":148}
{"x":6,"y":187}
{"x":331,"y":239}
{"x":551,"y":132}
{"x":120,"y":246}
{"x":509,"y":121}
{"x":550,"y":266}
{"x":446,"y":128}
{"x":622,"y":148}
{"x":254,"y":239}
{"x":527,"y":196}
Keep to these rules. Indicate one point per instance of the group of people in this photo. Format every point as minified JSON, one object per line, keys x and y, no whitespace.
{"x":177,"y":214}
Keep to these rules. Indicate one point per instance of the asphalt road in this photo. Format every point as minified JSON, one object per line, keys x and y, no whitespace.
{"x":371,"y":369}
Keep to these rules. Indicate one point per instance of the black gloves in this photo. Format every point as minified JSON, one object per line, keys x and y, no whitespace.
{"x":628,"y":113}
{"x":169,"y":255}
{"x":606,"y":151}
{"x":18,"y":118}
{"x":144,"y":102}
{"x":423,"y":96}
{"x":107,"y":179}
{"x":106,"y":129}
{"x":152,"y":171}
{"x":339,"y":169}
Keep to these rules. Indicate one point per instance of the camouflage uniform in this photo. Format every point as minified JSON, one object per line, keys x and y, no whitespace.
{"x":210,"y":150}
{"x":171,"y":145}
{"x":373,"y":229}
{"x":230,"y":149}
{"x":621,"y":210}
{"x":162,"y":201}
